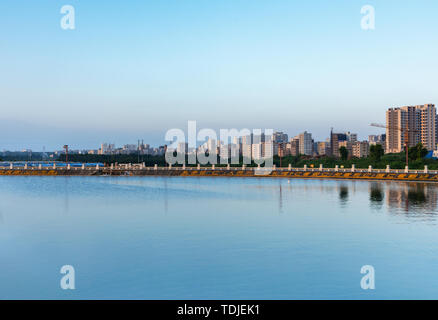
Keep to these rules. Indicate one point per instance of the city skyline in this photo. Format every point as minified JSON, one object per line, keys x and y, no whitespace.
{"x":130,"y":145}
{"x":392,"y":122}
{"x":233,"y":64}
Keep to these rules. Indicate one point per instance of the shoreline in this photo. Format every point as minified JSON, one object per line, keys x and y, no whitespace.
{"x":324,"y":174}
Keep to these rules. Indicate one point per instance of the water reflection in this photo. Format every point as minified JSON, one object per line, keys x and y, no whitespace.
{"x":417,"y":196}
{"x":376,"y":195}
{"x":376,"y":192}
{"x":412,"y":198}
{"x":166,"y":200}
{"x":280,"y":200}
{"x":343,"y":194}
{"x":66,"y":199}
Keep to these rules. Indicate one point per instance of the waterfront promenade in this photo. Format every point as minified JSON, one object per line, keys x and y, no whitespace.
{"x":212,"y":171}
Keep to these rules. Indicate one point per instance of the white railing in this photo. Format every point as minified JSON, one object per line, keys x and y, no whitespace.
{"x":30,"y":166}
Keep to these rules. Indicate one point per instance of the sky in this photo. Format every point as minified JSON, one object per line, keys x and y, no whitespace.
{"x":135,"y":69}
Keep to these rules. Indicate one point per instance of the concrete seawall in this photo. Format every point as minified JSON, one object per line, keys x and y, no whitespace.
{"x":301,"y":173}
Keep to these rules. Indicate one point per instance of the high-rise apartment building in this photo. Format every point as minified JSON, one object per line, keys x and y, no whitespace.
{"x":269,"y":148}
{"x":225,"y":152}
{"x":323,"y":148}
{"x":348,"y":145}
{"x":305,"y":143}
{"x":360,"y":149}
{"x":335,"y":139}
{"x":427,"y":126}
{"x":257,"y":151}
{"x":352,"y":137}
{"x":414,"y":123}
{"x":279,"y":137}
{"x":281,"y":149}
{"x":247,"y":148}
{"x":235,"y":148}
{"x":293,"y":147}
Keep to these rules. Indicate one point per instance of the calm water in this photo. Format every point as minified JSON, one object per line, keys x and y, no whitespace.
{"x":216,"y":238}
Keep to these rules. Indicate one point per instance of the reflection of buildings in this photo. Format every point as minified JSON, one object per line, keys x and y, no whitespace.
{"x":343,"y":194}
{"x":280,"y":200}
{"x":408,"y":197}
{"x":376,"y":193}
{"x":412,"y":199}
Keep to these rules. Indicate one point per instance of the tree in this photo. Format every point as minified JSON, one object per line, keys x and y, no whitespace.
{"x":376,"y":152}
{"x":344,"y":153}
{"x":417,"y":152}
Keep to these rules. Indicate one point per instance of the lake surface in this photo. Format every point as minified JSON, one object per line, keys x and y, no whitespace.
{"x":216,"y":238}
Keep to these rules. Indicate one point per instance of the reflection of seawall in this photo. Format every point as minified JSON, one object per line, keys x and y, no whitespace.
{"x":397,"y":175}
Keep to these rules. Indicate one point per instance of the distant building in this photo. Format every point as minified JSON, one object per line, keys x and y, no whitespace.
{"x":323,"y":148}
{"x":335,"y":139}
{"x":293,"y":147}
{"x":280,"y":137}
{"x":212,"y":146}
{"x":257,"y":151}
{"x":269,"y":149}
{"x":377,"y":139}
{"x":247,"y":148}
{"x":281,"y":149}
{"x":235,"y":148}
{"x":360,"y":149}
{"x":225,"y":152}
{"x":106,"y":148}
{"x":182,"y":148}
{"x":348,"y":145}
{"x":161,"y":150}
{"x":352,"y":137}
{"x":305,"y":143}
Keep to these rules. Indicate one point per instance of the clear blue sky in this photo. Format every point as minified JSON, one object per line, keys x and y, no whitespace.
{"x":133,"y":69}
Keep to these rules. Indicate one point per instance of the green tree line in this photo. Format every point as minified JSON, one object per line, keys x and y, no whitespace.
{"x":377,"y":159}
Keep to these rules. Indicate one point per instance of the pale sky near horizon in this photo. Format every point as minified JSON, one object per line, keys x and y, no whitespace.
{"x":134,"y":69}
